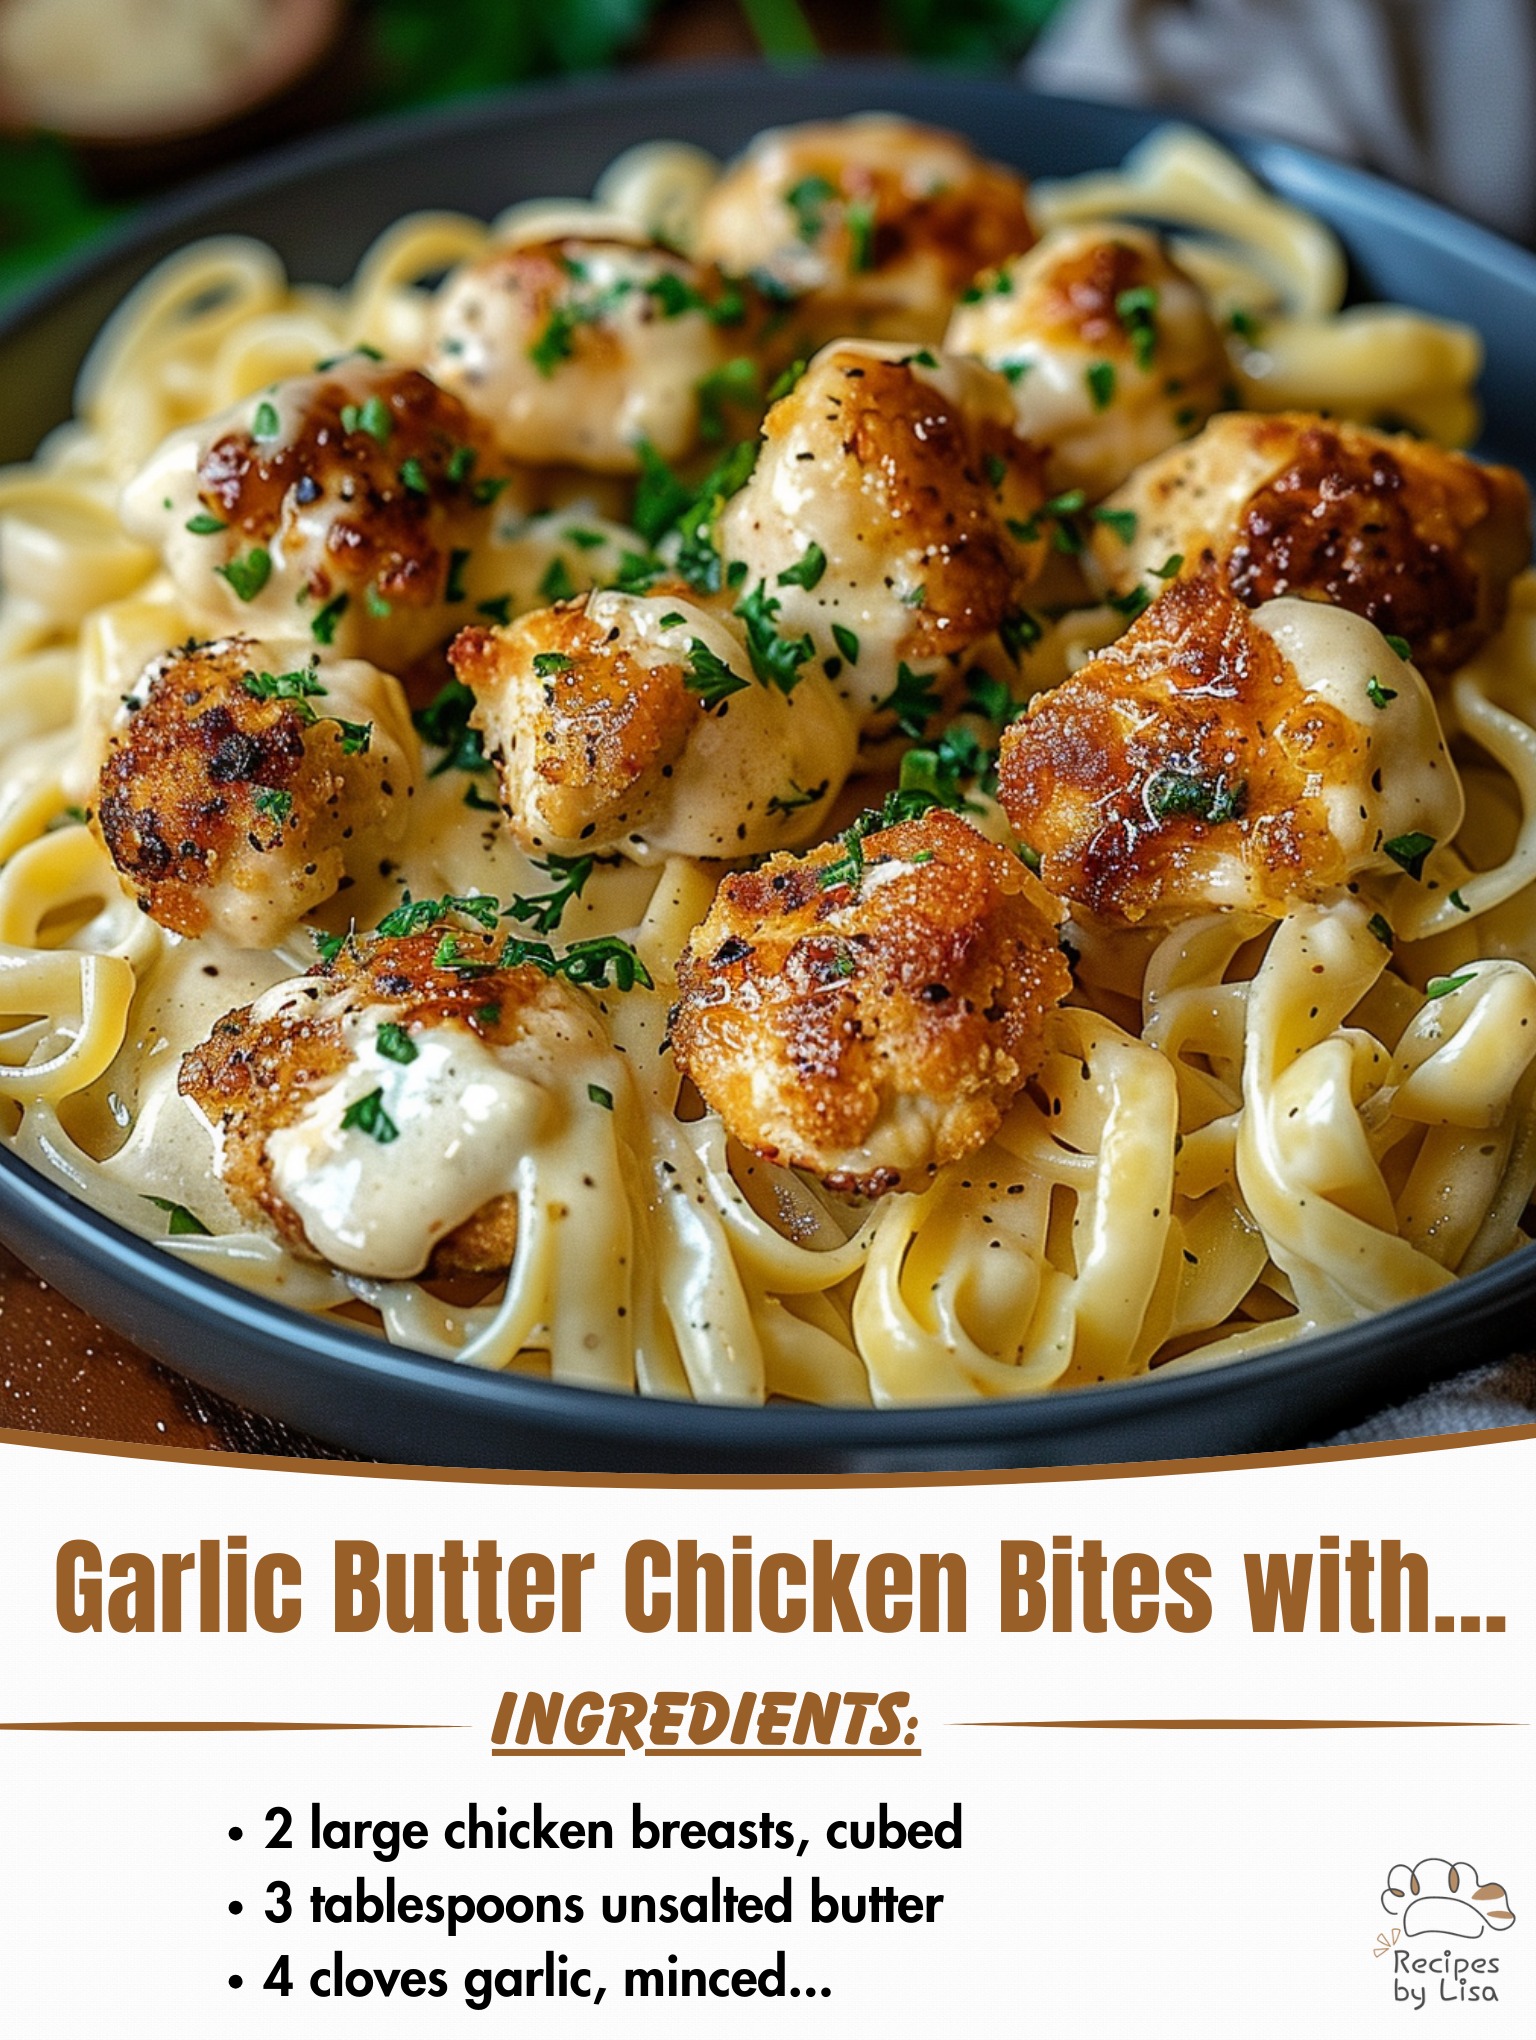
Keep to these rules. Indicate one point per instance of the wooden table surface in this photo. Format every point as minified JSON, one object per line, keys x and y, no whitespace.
{"x":61,"y":1372}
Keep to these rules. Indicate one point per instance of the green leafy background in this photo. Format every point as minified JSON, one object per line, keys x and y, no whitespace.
{"x":414,"y":52}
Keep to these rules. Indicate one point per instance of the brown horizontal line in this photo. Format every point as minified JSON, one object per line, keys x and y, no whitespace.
{"x":782,"y":1753}
{"x":217,"y":1727}
{"x":1237,"y":1721}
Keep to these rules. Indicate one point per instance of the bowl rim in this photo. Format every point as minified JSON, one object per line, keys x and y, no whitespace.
{"x":140,"y":1268}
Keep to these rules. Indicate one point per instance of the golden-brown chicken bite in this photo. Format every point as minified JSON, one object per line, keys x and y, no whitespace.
{"x":344,"y":506}
{"x":887,"y":522}
{"x":873,"y":225}
{"x":869,"y":1011}
{"x":578,"y":351}
{"x":1422,"y":541}
{"x":242,"y":779}
{"x":374,"y":1113}
{"x":1217,"y":756}
{"x":1108,"y":346}
{"x":637,"y":723}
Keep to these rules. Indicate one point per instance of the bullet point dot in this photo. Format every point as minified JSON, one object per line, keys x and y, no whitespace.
{"x":235,"y":1982}
{"x":235,"y":1906}
{"x":235,"y":1834}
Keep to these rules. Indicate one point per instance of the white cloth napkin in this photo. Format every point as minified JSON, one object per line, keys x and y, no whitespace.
{"x":1438,"y":94}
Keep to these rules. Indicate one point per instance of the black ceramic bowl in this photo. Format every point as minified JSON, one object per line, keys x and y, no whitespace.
{"x":320,"y":205}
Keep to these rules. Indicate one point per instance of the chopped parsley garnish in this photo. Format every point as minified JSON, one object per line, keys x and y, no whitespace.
{"x":274,"y":803}
{"x":375,"y":603}
{"x":180,"y":1223}
{"x":1137,"y":312}
{"x":1400,"y":645}
{"x":557,"y":342}
{"x":374,"y":417}
{"x":1100,"y":378}
{"x":323,"y":624}
{"x":1458,"y":902}
{"x":1381,"y":928}
{"x":1377,"y":695}
{"x":1121,"y":522}
{"x":329,"y":947}
{"x":497,"y":607}
{"x":808,"y":201}
{"x":584,"y":963}
{"x":914,"y":598}
{"x":447,"y":956}
{"x":555,"y":583}
{"x":661,"y":496}
{"x":1019,"y":632}
{"x":488,"y":488}
{"x":847,"y":642}
{"x":460,"y":464}
{"x":775,"y":660}
{"x":990,"y":697}
{"x":736,"y":383}
{"x":300,"y":685}
{"x":914,"y":700}
{"x":807,"y":570}
{"x":848,"y":869}
{"x":940,"y":770}
{"x":548,"y":664}
{"x":581,"y":537}
{"x":1030,"y":858}
{"x":356,"y":737}
{"x":636,"y":572}
{"x":265,"y":424}
{"x":708,"y":676}
{"x":205,"y":524}
{"x":395,"y":1044}
{"x":698,"y":557}
{"x":445,"y":722}
{"x":1442,"y":987}
{"x":1132,"y":603}
{"x":784,"y":383}
{"x":672,"y":620}
{"x":995,"y":468}
{"x":1014,"y":371}
{"x":1170,"y":793}
{"x":859,"y":218}
{"x":786,"y":804}
{"x":414,"y":917}
{"x":1410,"y":851}
{"x":600,"y":1096}
{"x":368,"y":1116}
{"x":545,"y":910}
{"x":474,"y":798}
{"x":1170,"y":567}
{"x":998,"y":284}
{"x":413,"y":476}
{"x":249,"y":573}
{"x":673,"y":295}
{"x":1245,"y":325}
{"x":453,"y":587}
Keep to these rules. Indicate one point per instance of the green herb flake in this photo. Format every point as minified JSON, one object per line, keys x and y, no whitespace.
{"x":859,"y":218}
{"x":395,"y":1044}
{"x":808,"y":201}
{"x":373,"y":417}
{"x":415,"y":917}
{"x":736,"y":383}
{"x":453,"y":587}
{"x":784,"y":383}
{"x":1245,"y":325}
{"x":180,"y":1223}
{"x":1410,"y":851}
{"x":368,"y":1116}
{"x":266,"y":425}
{"x":548,"y":664}
{"x":1136,"y":309}
{"x":545,"y":911}
{"x":1381,"y":928}
{"x":1458,"y":902}
{"x":600,"y":1096}
{"x":708,"y":676}
{"x":1171,"y":566}
{"x":583,"y":539}
{"x":776,"y":660}
{"x":497,"y":607}
{"x":249,"y":573}
{"x":1121,"y":522}
{"x":205,"y":524}
{"x":356,"y":738}
{"x":1377,"y":695}
{"x":1442,"y":987}
{"x":460,"y":463}
{"x":413,"y":476}
{"x":1100,"y":378}
{"x":847,"y":643}
{"x":783,"y":805}
{"x":323,"y":624}
{"x":1400,"y":645}
{"x":914,"y":700}
{"x":807,"y":570}
{"x":1171,"y":794}
{"x":375,"y":603}
{"x":273,"y":803}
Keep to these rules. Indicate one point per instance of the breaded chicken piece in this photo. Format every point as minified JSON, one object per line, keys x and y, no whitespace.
{"x":345,"y":506}
{"x":873,"y":225}
{"x":577,"y":351}
{"x":1422,"y":541}
{"x":373,"y":1114}
{"x":1108,"y":346}
{"x":637,"y":723}
{"x":242,"y":778}
{"x":869,"y":1011}
{"x":1220,"y":757}
{"x":887,"y":521}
